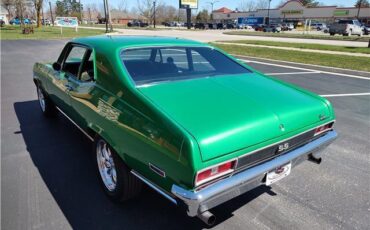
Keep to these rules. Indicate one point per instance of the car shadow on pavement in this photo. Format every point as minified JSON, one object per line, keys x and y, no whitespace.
{"x":62,"y":154}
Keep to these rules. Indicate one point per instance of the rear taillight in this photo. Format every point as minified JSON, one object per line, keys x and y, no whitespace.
{"x":323,"y":128}
{"x":214,"y":172}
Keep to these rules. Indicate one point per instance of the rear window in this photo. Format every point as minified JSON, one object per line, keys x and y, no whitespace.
{"x":345,"y":22}
{"x":160,"y":64}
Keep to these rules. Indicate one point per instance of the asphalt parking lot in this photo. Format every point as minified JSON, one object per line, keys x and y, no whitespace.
{"x":48,"y":180}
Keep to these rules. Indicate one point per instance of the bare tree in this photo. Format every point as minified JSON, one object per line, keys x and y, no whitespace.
{"x":8,"y":5}
{"x":262,"y":4}
{"x":247,"y":5}
{"x":145,"y":9}
{"x":122,"y":6}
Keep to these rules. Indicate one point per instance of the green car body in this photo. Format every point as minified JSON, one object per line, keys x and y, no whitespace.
{"x":179,"y":127}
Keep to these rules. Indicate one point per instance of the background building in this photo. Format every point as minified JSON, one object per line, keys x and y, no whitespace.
{"x":294,"y":11}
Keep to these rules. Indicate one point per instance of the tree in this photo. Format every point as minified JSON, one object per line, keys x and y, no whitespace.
{"x":202,"y":16}
{"x":38,"y":6}
{"x":69,"y":8}
{"x":247,"y":5}
{"x":310,"y":3}
{"x":8,"y":5}
{"x":262,"y":4}
{"x":362,"y":3}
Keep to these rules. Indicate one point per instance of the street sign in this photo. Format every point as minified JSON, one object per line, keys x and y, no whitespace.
{"x":188,"y":4}
{"x":71,"y":22}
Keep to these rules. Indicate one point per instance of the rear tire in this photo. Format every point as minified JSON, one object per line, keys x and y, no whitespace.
{"x":47,"y":107}
{"x":117,"y":181}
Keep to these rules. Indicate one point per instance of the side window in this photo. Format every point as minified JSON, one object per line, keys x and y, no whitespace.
{"x":74,"y":60}
{"x":87,"y":68}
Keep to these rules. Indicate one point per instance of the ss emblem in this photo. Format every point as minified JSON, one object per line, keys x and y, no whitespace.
{"x":283,"y":147}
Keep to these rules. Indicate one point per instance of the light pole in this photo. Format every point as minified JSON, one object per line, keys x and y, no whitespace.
{"x":359,"y":8}
{"x":212,"y":3}
{"x":51,"y":14}
{"x":105,"y":16}
{"x":154,"y":21}
{"x":268,"y":14}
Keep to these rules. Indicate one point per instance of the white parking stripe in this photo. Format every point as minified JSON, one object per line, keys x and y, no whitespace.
{"x":312,"y":70}
{"x":346,"y":95}
{"x":290,"y":73}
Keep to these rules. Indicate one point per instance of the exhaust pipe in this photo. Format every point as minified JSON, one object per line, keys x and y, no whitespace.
{"x":314,"y":159}
{"x":207,"y":218}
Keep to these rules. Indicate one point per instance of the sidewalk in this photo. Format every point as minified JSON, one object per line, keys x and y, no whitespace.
{"x":297,"y":49}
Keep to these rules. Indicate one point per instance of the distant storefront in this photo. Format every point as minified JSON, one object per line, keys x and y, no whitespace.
{"x":294,"y":11}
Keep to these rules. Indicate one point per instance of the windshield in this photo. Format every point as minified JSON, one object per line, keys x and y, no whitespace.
{"x":159,"y":64}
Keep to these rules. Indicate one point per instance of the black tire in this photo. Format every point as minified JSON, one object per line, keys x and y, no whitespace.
{"x":47,"y":107}
{"x":127,"y":186}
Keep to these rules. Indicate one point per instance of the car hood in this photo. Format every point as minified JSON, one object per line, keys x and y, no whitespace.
{"x":229,"y":113}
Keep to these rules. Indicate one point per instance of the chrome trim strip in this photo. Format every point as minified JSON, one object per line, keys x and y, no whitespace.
{"x":157,"y":170}
{"x":83,"y":131}
{"x":196,"y":201}
{"x":153,"y":186}
{"x":265,"y":147}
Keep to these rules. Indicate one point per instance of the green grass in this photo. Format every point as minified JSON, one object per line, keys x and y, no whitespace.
{"x":46,"y":32}
{"x":331,"y":60}
{"x":364,"y":50}
{"x":305,"y":36}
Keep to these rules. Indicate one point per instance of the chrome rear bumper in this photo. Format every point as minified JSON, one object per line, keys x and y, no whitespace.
{"x":211,"y":196}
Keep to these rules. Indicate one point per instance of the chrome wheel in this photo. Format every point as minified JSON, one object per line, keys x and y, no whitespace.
{"x":41,"y":98}
{"x":106,"y":165}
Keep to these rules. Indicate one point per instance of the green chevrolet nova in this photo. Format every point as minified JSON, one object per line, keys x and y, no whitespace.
{"x":195,"y":124}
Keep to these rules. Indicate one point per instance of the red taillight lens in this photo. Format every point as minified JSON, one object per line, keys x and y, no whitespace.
{"x":214,"y":172}
{"x":323,"y":128}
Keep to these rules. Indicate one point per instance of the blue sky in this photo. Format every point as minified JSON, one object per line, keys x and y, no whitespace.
{"x":232,"y":4}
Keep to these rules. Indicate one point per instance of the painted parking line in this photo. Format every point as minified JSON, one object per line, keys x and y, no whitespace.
{"x":290,"y":73}
{"x":346,"y":95}
{"x":310,"y":70}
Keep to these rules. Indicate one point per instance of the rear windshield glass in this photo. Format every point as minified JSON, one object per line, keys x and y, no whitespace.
{"x":159,"y":64}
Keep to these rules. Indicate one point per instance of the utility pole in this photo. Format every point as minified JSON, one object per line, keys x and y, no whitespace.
{"x":79,"y":4}
{"x":89,"y":14}
{"x":268,"y":14}
{"x":212,"y":4}
{"x":109,"y":18}
{"x":359,"y":8}
{"x":105,"y":16}
{"x":51,"y":14}
{"x":154,"y":11}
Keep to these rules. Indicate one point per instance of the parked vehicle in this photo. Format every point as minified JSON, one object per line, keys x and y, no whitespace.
{"x":17,"y":21}
{"x":259,"y":27}
{"x":46,"y":22}
{"x":366,"y":29}
{"x":287,"y":27}
{"x":318,"y":26}
{"x":212,"y":26}
{"x":199,"y":133}
{"x":275,"y":28}
{"x":137,"y":23}
{"x":201,"y":26}
{"x":346,"y":28}
{"x":221,"y":26}
{"x":230,"y":26}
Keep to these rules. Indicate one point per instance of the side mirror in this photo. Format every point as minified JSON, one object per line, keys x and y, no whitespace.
{"x":57,"y":66}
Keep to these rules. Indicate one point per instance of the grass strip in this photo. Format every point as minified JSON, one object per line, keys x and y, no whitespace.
{"x":46,"y":32}
{"x":304,"y":36}
{"x":331,"y":60}
{"x":348,"y":49}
